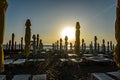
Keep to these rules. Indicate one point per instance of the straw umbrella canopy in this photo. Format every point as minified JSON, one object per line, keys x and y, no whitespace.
{"x":27,"y":37}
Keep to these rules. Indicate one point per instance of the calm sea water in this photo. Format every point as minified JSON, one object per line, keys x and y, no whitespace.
{"x":47,"y":47}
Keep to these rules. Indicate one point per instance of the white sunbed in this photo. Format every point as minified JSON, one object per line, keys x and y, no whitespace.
{"x":100,"y":76}
{"x":22,"y":77}
{"x":40,"y":60}
{"x":115,"y":74}
{"x":34,"y":60}
{"x":8,"y":61}
{"x":31,"y":60}
{"x":98,"y":59}
{"x":2,"y":77}
{"x":72,"y":55}
{"x":19,"y":61}
{"x":63,"y":60}
{"x":87,"y":55}
{"x":76,"y":60}
{"x":39,"y":77}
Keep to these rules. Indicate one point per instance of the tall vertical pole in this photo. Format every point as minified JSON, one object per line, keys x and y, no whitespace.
{"x":15,"y":46}
{"x":103,"y":46}
{"x":34,"y":44}
{"x":27,"y":37}
{"x":77,"y":42}
{"x":60,"y":45}
{"x":12,"y":47}
{"x":95,"y":45}
{"x":66,"y":43}
{"x":9,"y":46}
{"x":108,"y":46}
{"x":3,"y":8}
{"x":117,"y":35}
{"x":21,"y":44}
{"x":82,"y":45}
{"x":37,"y":41}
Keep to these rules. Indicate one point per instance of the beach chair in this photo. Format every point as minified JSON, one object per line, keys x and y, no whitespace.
{"x":19,"y":61}
{"x":115,"y":74}
{"x":22,"y":77}
{"x":8,"y":61}
{"x":39,"y":77}
{"x":75,"y":60}
{"x":40,"y":60}
{"x":64,"y":60}
{"x":2,"y":77}
{"x":100,"y":76}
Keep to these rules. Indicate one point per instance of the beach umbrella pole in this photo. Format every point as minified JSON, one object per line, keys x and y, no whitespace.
{"x":117,"y":35}
{"x":3,"y":8}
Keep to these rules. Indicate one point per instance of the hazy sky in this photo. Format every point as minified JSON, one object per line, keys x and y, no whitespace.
{"x":49,"y":17}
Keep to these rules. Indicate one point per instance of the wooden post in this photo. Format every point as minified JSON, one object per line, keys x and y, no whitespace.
{"x":12,"y":47}
{"x":60,"y":45}
{"x":21,"y":44}
{"x":66,"y":43}
{"x":37,"y":41}
{"x":82,"y":45}
{"x":77,"y":41}
{"x":117,"y":35}
{"x":34,"y":44}
{"x":27,"y":37}
{"x":95,"y":45}
{"x":3,"y":8}
{"x":57,"y":44}
{"x":103,"y":46}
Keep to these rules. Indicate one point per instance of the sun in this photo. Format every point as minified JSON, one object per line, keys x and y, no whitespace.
{"x":69,"y":32}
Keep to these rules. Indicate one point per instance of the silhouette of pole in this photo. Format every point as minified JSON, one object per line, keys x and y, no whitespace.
{"x":53,"y":46}
{"x":21,"y":44}
{"x":95,"y":45}
{"x":91,"y":47}
{"x":3,"y":8}
{"x":12,"y":47}
{"x":108,"y":46}
{"x":98,"y":47}
{"x":27,"y":37}
{"x":103,"y":46}
{"x":34,"y":44}
{"x":60,"y":44}
{"x":77,"y":41}
{"x":41,"y":45}
{"x":9,"y":45}
{"x":57,"y":44}
{"x":71,"y":47}
{"x":82,"y":45}
{"x":15,"y":45}
{"x":111,"y":46}
{"x":6,"y":46}
{"x":117,"y":35}
{"x":66,"y":43}
{"x":37,"y":41}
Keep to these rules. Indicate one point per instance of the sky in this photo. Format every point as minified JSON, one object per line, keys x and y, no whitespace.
{"x":50,"y":17}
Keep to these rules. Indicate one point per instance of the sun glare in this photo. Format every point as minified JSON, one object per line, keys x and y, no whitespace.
{"x":69,"y":32}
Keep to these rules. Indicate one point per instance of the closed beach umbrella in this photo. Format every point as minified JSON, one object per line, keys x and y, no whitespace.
{"x":3,"y":8}
{"x":27,"y":38}
{"x":117,"y":35}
